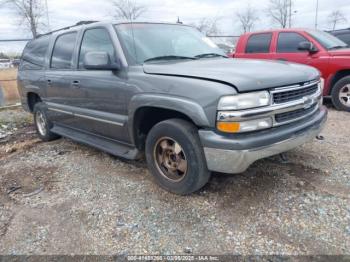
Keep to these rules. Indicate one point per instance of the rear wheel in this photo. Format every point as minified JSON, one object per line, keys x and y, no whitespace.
{"x":42,"y":123}
{"x":341,"y":94}
{"x":175,"y":156}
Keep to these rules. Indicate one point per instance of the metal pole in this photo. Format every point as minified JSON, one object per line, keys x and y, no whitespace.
{"x":290,"y":13}
{"x":316,"y":17}
{"x":47,"y":16}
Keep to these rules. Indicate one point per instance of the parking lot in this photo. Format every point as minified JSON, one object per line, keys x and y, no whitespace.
{"x":63,"y":198}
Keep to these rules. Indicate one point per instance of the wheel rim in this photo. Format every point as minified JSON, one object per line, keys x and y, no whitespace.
{"x":170,"y":159}
{"x":41,"y":123}
{"x":344,"y":95}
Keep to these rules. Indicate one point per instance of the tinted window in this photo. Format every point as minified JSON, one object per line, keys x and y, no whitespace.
{"x":96,"y":40}
{"x":62,"y":55}
{"x":289,"y":42}
{"x":34,"y":53}
{"x":259,"y":43}
{"x":344,"y":37}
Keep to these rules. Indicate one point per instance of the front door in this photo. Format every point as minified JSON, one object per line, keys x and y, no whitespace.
{"x":101,"y":96}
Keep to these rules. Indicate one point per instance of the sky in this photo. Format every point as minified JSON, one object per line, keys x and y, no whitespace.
{"x":67,"y":12}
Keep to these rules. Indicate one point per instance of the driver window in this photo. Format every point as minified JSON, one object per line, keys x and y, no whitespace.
{"x":97,"y":40}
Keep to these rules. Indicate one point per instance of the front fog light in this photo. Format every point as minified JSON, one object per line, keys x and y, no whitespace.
{"x":245,"y":126}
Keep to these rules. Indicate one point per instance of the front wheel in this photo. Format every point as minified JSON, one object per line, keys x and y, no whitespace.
{"x":341,"y":94}
{"x":175,"y":156}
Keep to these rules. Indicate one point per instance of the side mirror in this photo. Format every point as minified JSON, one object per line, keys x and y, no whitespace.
{"x":307,"y":46}
{"x":99,"y":61}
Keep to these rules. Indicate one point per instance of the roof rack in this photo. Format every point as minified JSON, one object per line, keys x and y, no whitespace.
{"x":69,"y":27}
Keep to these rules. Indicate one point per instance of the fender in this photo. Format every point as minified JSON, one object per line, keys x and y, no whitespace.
{"x":183,"y":105}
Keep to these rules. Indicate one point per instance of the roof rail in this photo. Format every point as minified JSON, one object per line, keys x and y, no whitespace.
{"x":68,"y":27}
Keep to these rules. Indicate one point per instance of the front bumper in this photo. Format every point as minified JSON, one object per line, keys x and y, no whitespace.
{"x":234,"y":155}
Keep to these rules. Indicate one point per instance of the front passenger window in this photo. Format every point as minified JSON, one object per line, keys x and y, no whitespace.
{"x":97,"y":39}
{"x":288,"y":42}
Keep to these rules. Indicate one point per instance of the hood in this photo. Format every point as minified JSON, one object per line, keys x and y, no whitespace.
{"x":340,"y":52}
{"x":243,"y":74}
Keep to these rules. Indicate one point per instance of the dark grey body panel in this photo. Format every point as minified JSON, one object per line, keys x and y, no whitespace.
{"x":243,"y":74}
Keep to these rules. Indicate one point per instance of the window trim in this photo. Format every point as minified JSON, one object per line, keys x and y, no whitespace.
{"x":297,"y":52}
{"x":73,"y":54}
{"x":81,"y":42}
{"x":255,"y":34}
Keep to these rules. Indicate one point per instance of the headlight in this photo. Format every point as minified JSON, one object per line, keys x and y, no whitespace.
{"x":244,"y":126}
{"x":244,"y":101}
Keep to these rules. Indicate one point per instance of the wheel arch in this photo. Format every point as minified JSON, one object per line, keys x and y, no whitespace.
{"x":157,"y":108}
{"x":337,"y":76}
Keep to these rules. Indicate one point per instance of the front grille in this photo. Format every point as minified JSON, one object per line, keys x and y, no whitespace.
{"x":291,"y":95}
{"x":292,"y":115}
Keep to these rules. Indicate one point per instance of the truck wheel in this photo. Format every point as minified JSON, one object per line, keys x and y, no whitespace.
{"x":175,"y":157}
{"x":341,"y":94}
{"x":42,"y":123}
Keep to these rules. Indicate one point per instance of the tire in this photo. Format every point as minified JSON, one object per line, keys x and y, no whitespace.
{"x":341,"y":87}
{"x":165,"y":140}
{"x":42,"y":123}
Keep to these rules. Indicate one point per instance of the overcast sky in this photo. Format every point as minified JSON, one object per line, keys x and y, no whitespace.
{"x":67,"y":12}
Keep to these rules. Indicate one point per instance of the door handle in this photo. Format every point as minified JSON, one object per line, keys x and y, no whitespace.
{"x":76,"y":84}
{"x":49,"y":82}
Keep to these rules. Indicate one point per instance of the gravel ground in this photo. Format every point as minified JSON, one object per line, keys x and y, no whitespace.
{"x":65,"y":198}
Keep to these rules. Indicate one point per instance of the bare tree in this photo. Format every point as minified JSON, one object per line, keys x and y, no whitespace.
{"x":128,"y":9}
{"x":208,"y":26}
{"x":280,"y":12}
{"x":336,"y":17}
{"x":247,"y":18}
{"x":31,"y":13}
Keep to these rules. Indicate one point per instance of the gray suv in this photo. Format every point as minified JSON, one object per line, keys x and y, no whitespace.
{"x":167,"y":92}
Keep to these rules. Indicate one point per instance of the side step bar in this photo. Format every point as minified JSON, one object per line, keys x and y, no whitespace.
{"x":104,"y":144}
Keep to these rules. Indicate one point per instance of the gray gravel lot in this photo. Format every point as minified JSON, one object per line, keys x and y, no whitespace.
{"x":65,"y":198}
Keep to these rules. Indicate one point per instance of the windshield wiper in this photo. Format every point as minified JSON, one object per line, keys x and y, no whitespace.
{"x":210,"y":55}
{"x":169,"y":57}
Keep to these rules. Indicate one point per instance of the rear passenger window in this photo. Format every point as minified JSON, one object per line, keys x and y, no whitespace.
{"x":33,"y":57}
{"x":289,"y":42}
{"x":97,"y":39}
{"x":259,"y":43}
{"x":62,"y":56}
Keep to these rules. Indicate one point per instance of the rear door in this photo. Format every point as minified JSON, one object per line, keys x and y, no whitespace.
{"x":258,"y":46}
{"x":60,"y":92}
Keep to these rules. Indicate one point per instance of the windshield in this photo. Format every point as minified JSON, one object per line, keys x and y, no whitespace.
{"x":327,"y":40}
{"x":156,"y":41}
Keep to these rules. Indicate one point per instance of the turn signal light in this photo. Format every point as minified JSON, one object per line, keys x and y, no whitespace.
{"x":228,"y":127}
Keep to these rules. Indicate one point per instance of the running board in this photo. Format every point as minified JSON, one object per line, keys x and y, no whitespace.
{"x":104,"y":144}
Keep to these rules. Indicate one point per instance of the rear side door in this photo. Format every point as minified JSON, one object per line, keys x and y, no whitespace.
{"x":102,"y":95}
{"x":258,"y":46}
{"x":60,"y":93}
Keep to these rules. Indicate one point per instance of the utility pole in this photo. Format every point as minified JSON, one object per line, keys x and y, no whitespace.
{"x":316,"y":17}
{"x":47,"y":15}
{"x":290,"y":13}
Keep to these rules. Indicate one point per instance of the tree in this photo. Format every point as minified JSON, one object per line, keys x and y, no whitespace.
{"x":247,"y":19}
{"x":280,"y":12}
{"x":336,"y":17}
{"x":30,"y":13}
{"x":208,"y":26}
{"x":128,"y":9}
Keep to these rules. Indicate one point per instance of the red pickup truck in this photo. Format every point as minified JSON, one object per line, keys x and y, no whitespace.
{"x":316,"y":48}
